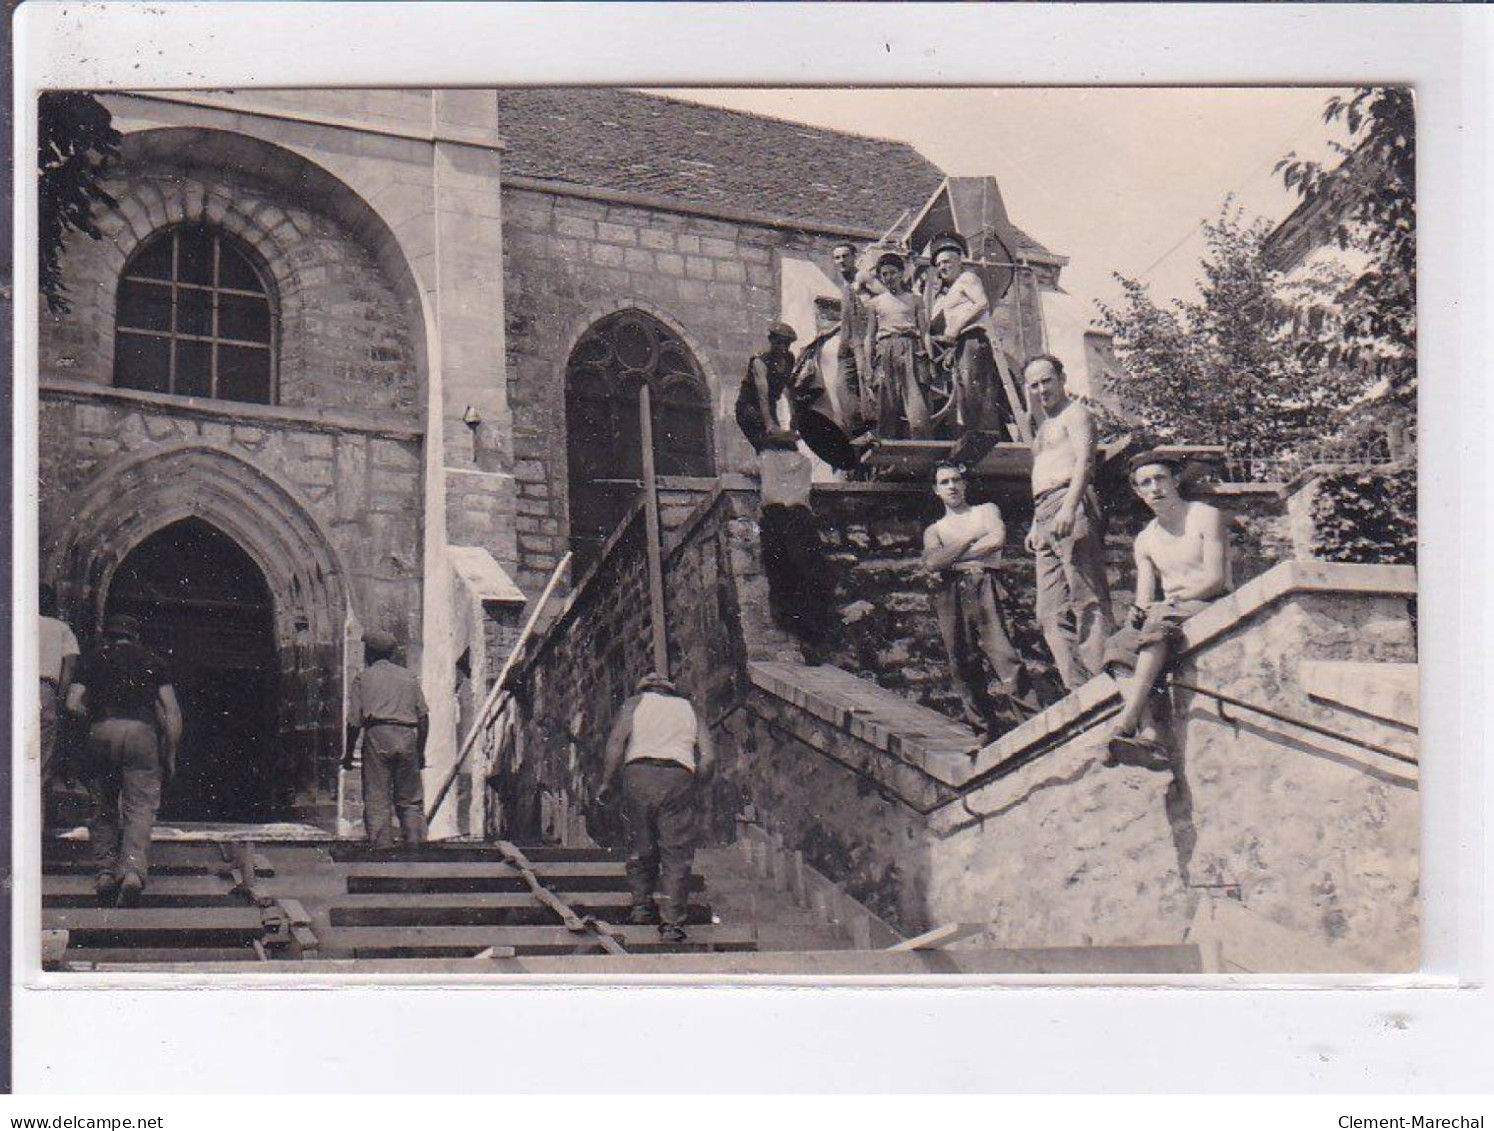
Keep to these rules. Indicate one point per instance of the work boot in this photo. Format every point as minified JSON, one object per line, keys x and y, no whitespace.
{"x":130,"y":890}
{"x":106,"y":888}
{"x":643,"y":915}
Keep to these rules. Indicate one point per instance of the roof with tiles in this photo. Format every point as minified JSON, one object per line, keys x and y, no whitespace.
{"x":628,"y":141}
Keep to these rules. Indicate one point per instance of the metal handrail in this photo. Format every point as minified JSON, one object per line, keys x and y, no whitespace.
{"x":1290,"y":720}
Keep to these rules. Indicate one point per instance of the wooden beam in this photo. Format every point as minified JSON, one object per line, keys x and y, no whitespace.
{"x":654,"y":534}
{"x":940,"y":936}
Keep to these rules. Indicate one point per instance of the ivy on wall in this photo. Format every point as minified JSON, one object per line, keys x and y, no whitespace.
{"x":1366,"y":516}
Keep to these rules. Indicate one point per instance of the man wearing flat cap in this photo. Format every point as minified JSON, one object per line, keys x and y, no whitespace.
{"x":959,"y":320}
{"x":135,"y":726}
{"x":1184,"y":550}
{"x":665,"y":756}
{"x":894,"y":342}
{"x":386,"y":706}
{"x":799,"y":589}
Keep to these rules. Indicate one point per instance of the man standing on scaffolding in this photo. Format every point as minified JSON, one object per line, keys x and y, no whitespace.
{"x":958,"y":319}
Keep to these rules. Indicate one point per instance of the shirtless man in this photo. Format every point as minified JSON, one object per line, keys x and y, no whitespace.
{"x":1185,"y":547}
{"x":894,"y":342}
{"x":964,"y":549}
{"x":1068,"y":532}
{"x":958,"y":318}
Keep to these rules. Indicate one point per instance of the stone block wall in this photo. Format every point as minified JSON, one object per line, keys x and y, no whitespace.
{"x":1294,"y":852}
{"x":569,"y":262}
{"x":361,"y":487}
{"x":344,"y":340}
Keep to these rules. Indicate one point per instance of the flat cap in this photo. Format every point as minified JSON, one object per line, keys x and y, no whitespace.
{"x":782,"y":330}
{"x":656,"y":682}
{"x":1151,"y":456}
{"x":121,"y":624}
{"x":890,"y":259}
{"x":379,"y":641}
{"x":948,"y":241}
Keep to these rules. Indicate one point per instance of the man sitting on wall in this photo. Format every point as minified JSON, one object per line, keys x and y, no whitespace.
{"x":1185,"y":548}
{"x":964,"y":550}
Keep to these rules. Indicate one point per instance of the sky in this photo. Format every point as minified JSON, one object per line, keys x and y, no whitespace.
{"x":1118,"y":179}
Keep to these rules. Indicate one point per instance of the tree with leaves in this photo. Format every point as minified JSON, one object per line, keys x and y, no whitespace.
{"x":1371,"y":194}
{"x":1223,"y":369}
{"x":76,"y":140}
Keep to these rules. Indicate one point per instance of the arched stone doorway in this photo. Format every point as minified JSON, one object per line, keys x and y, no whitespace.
{"x":253,"y":516}
{"x":208,"y":612}
{"x":613,"y":359}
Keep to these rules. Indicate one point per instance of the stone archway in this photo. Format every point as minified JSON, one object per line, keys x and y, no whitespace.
{"x":134,"y":500}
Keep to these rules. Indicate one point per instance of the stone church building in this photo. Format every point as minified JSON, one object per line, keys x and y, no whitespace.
{"x":355,"y":359}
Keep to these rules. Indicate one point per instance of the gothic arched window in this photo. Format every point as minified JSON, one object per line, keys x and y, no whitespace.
{"x":610,"y":363}
{"x":195,"y":319}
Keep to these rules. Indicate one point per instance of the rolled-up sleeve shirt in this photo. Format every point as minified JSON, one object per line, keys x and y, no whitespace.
{"x":384,"y":692}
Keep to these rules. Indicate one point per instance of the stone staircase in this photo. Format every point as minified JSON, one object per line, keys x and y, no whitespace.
{"x":299,"y":902}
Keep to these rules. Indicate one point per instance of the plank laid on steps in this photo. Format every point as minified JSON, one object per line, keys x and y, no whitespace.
{"x":522,"y":937}
{"x":476,"y":910}
{"x":144,"y":918}
{"x":561,"y":883}
{"x":352,"y":852}
{"x":152,"y":898}
{"x":183,"y":886}
{"x":205,"y":867}
{"x":132,"y":954}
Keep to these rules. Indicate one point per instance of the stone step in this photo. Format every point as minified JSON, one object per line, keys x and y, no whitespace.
{"x":354,"y":853}
{"x":153,"y":897}
{"x":157,"y":927}
{"x":480,"y":909}
{"x":58,"y":886}
{"x":135,"y":955}
{"x":457,"y":942}
{"x":562,"y":882}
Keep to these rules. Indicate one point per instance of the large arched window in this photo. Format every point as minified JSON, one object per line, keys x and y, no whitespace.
{"x":195,"y":319}
{"x":610,"y":363}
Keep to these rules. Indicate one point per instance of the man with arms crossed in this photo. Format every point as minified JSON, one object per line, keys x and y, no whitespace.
{"x":1067,"y":535}
{"x":1185,"y":548}
{"x":964,"y":549}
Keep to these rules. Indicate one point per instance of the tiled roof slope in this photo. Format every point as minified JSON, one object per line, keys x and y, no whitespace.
{"x":634,"y":142}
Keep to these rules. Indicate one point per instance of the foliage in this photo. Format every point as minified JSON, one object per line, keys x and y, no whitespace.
{"x":1366,"y":516}
{"x":1371,"y":196}
{"x":1223,"y":369}
{"x":75,"y":142}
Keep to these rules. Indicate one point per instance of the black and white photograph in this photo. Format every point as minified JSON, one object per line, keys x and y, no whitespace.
{"x":779,"y":532}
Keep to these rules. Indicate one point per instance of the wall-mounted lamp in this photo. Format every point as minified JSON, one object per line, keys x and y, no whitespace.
{"x":471,"y":417}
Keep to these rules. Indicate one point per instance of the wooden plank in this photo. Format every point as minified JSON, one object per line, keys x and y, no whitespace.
{"x":354,"y":853}
{"x":153,"y":919}
{"x":184,"y":886}
{"x":80,"y":956}
{"x":54,"y":942}
{"x":518,"y":936}
{"x":940,"y":936}
{"x":476,"y":910}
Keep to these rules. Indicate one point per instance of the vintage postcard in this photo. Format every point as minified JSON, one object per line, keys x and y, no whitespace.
{"x":795,"y":533}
